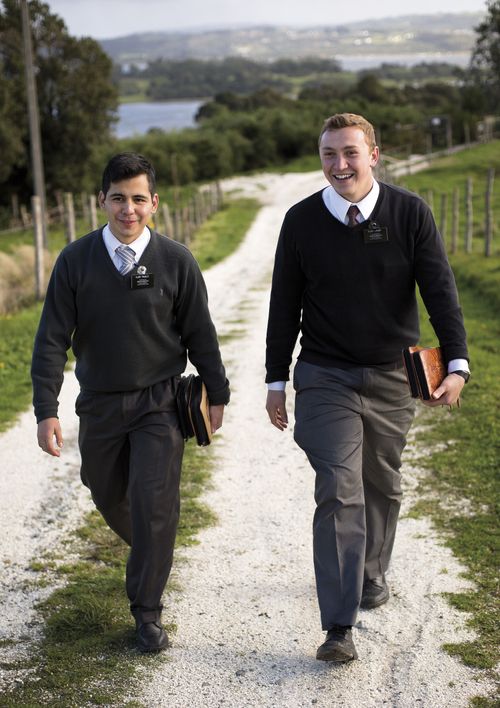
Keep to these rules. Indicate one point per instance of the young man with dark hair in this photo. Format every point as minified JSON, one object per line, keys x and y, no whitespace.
{"x":132,"y":305}
{"x":347,"y":264}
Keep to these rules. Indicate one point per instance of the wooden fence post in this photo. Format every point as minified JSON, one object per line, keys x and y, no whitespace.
{"x":178,"y":236}
{"x":454,"y":219}
{"x":93,"y":212}
{"x":15,"y":207}
{"x":25,"y":217}
{"x":430,"y":199}
{"x":69,"y":217}
{"x":220,"y":195}
{"x":169,"y":227}
{"x":488,"y":235}
{"x":60,"y":206}
{"x":469,"y":223}
{"x":36,"y":209}
{"x":444,"y":208}
{"x":186,"y":226}
{"x":85,"y":207}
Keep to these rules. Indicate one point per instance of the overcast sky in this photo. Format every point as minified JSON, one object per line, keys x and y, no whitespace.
{"x":103,"y":19}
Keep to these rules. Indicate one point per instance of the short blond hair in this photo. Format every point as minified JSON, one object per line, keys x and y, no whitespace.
{"x":350,"y":120}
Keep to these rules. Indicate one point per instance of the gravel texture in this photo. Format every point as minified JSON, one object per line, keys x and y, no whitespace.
{"x":248,"y":622}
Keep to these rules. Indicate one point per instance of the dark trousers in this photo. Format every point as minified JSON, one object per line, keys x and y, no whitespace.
{"x":352,"y":425}
{"x":131,"y":449}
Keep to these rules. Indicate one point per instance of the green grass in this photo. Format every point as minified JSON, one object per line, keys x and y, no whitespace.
{"x":465,"y":473}
{"x":468,"y":468}
{"x":16,"y":344}
{"x":219,"y":236}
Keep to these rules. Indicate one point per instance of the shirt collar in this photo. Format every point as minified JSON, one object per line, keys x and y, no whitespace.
{"x":338,"y":206}
{"x":138,"y":246}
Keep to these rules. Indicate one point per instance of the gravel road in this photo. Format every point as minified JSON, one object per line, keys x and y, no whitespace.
{"x":248,"y":622}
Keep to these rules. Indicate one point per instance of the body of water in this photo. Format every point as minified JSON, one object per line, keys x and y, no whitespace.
{"x":138,"y":118}
{"x":371,"y":61}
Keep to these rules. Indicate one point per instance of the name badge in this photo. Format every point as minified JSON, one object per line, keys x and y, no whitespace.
{"x":375,"y":233}
{"x":141,"y":281}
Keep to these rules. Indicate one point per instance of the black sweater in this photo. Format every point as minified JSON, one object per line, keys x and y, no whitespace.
{"x":124,"y":339}
{"x":353,"y":296}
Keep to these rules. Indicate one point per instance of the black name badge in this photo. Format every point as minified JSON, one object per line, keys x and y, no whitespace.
{"x":375,"y":233}
{"x":141,"y":281}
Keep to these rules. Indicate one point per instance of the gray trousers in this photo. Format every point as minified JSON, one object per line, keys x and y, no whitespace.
{"x":131,"y":449}
{"x":352,"y":425}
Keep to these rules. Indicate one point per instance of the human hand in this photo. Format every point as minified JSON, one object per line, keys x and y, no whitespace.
{"x":216,"y":414}
{"x":448,"y":392}
{"x":49,"y":435}
{"x":276,"y":409}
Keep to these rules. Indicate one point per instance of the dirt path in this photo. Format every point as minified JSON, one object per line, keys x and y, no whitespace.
{"x":248,"y":624}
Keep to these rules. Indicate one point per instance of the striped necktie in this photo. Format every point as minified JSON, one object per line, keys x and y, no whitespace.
{"x":127,"y":257}
{"x":352,"y":213}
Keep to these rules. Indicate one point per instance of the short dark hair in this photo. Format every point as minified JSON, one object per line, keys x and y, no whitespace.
{"x":126,"y":165}
{"x":350,"y":120}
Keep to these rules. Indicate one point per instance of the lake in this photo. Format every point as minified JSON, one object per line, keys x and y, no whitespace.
{"x":138,"y":118}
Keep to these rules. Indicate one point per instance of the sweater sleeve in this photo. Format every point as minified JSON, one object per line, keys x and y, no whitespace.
{"x":198,"y":332}
{"x":285,"y":306}
{"x":437,"y":286}
{"x":52,"y":341}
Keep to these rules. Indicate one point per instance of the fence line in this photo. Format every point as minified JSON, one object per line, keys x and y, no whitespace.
{"x":486,"y":230}
{"x":180,"y":224}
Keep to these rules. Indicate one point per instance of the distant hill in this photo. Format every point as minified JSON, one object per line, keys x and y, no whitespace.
{"x":440,"y":33}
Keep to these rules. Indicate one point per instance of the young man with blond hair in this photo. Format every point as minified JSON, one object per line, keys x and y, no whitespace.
{"x":348,"y":261}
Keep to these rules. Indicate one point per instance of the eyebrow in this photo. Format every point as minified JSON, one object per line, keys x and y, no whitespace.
{"x":121,"y":194}
{"x":344,"y":147}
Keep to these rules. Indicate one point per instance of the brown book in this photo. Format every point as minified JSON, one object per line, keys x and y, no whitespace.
{"x":425,"y":370}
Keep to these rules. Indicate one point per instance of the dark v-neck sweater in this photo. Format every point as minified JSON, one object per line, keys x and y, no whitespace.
{"x":352,"y":294}
{"x":124,"y":339}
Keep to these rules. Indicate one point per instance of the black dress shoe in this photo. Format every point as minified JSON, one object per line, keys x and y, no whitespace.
{"x":338,"y":646}
{"x":151,"y":636}
{"x":375,"y":593}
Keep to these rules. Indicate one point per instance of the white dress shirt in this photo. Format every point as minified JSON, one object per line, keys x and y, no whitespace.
{"x":138,"y":246}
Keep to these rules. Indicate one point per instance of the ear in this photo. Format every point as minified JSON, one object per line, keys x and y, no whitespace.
{"x":156,"y":201}
{"x":101,"y":198}
{"x":374,"y":156}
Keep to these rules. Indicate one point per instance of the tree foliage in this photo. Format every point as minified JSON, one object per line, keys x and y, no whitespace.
{"x":485,"y":63}
{"x":192,"y":78}
{"x":77,"y":101}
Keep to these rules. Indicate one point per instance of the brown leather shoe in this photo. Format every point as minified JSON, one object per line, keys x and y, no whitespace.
{"x":151,"y":636}
{"x":338,"y":646}
{"x":375,"y":593}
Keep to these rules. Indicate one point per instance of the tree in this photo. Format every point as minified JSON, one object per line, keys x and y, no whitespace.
{"x":485,"y":62}
{"x":77,"y":102}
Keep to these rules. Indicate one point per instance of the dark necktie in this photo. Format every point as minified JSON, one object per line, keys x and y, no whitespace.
{"x":352,"y":213}
{"x":127,"y":257}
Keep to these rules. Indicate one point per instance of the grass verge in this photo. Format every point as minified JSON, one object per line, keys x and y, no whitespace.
{"x":87,"y":655}
{"x":461,"y":492}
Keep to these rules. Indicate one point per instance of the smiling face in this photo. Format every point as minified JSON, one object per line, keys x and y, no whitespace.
{"x":347,"y":161}
{"x":129,"y":205}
